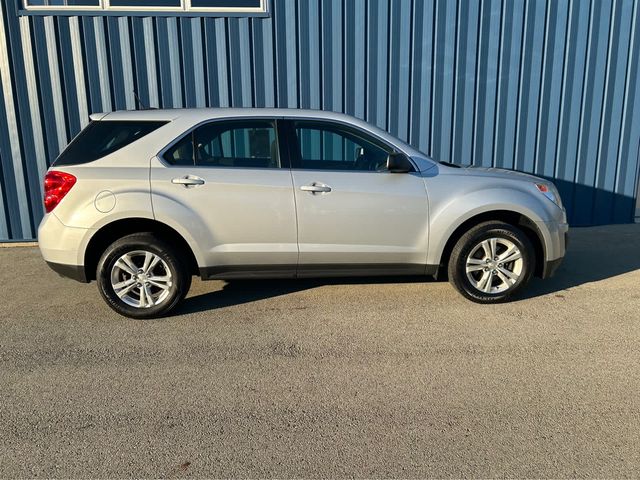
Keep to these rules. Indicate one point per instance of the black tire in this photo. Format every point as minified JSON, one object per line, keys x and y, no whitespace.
{"x":466,"y":245}
{"x":173,"y":261}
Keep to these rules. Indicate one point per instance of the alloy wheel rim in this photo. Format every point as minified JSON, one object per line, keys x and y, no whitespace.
{"x":141,"y":279}
{"x":494,"y":265}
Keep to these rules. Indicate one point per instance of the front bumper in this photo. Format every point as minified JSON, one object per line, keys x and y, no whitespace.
{"x":550,"y":267}
{"x":556,"y":250}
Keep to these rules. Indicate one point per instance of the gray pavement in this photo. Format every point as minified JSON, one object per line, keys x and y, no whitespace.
{"x":332,"y":378}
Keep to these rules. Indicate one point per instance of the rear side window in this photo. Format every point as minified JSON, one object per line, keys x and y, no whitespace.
{"x":244,"y":144}
{"x":99,"y":139}
{"x":235,"y":144}
{"x":182,"y":152}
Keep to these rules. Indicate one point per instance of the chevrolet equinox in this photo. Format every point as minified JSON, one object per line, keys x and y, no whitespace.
{"x":141,"y":201}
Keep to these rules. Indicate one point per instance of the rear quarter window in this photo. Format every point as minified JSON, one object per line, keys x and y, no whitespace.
{"x":101,"y":138}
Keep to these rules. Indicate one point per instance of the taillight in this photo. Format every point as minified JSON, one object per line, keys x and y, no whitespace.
{"x":56,"y":186}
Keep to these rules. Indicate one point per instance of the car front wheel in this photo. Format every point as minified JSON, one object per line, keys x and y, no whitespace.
{"x":141,"y":276}
{"x":491,"y":262}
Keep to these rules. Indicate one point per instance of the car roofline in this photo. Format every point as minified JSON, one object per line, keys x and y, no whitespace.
{"x":198,"y":115}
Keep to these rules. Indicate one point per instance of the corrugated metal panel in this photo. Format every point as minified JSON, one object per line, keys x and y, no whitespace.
{"x":544,"y":86}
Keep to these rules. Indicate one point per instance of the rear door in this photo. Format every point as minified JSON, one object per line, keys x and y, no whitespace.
{"x":353,"y":214}
{"x":225,"y":184}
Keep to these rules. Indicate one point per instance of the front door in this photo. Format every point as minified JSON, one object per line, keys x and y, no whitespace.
{"x":353,"y":214}
{"x":224,"y":184}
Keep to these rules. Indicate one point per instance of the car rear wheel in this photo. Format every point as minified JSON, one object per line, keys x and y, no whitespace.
{"x":141,"y":276}
{"x":491,"y":262}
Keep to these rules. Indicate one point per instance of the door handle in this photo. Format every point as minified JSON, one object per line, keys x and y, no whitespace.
{"x":188,"y":181}
{"x":316,"y":187}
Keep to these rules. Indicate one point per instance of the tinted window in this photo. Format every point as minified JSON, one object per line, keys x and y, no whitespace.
{"x":225,"y":3}
{"x":99,"y":139}
{"x":140,"y":5}
{"x":329,"y":147}
{"x":144,"y":3}
{"x":181,"y":153}
{"x":244,"y":144}
{"x":63,"y":3}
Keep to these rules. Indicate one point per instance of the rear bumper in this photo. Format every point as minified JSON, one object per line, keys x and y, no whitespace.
{"x":74,"y":272}
{"x":63,"y":247}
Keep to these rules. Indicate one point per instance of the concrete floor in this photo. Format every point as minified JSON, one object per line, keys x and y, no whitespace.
{"x":331,"y":378}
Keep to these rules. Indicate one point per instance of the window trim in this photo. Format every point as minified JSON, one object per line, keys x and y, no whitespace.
{"x":283,"y":159}
{"x":105,"y":8}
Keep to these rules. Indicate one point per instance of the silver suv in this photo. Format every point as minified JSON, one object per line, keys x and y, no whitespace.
{"x":142,"y":200}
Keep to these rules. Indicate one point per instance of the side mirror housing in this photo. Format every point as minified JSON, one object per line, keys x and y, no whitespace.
{"x":399,"y":163}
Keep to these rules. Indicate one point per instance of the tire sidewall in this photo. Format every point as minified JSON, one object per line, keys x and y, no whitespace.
{"x":469,"y":242}
{"x":144,"y":243}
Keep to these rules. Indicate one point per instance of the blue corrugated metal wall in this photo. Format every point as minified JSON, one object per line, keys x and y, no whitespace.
{"x":544,"y":86}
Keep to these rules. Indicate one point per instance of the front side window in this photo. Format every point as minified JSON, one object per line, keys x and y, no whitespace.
{"x":239,"y":144}
{"x":102,"y":138}
{"x":333,"y":147}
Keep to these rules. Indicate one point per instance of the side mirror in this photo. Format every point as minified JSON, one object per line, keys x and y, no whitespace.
{"x":399,"y":163}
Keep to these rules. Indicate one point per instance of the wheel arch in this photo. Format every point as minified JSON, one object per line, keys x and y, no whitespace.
{"x":511,"y":217}
{"x":110,"y":232}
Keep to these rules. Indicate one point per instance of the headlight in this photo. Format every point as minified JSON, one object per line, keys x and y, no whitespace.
{"x":550,"y":191}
